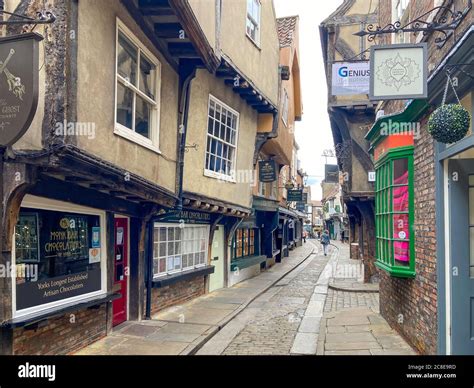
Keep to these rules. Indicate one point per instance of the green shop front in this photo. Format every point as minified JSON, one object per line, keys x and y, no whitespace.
{"x":247,"y":257}
{"x":392,"y":146}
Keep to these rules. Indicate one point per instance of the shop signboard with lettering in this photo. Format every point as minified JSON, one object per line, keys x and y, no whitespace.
{"x":294,"y":195}
{"x":267,"y":171}
{"x":55,"y":256}
{"x":350,"y":78}
{"x":19,"y":74}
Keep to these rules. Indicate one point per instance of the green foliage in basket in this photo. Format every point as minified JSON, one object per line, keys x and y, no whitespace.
{"x":449,"y":123}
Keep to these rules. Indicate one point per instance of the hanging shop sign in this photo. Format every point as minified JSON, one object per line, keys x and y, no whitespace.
{"x":294,"y":195}
{"x":267,"y":171}
{"x":19,"y":74}
{"x":350,"y":78}
{"x":301,"y":206}
{"x":305,"y":198}
{"x":399,"y":72}
{"x":331,"y":173}
{"x":185,"y":216}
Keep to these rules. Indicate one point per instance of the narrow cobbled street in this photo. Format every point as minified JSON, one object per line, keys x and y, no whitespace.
{"x":309,"y":304}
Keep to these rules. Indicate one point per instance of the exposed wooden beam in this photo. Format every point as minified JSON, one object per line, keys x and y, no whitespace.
{"x":137,"y":14}
{"x":77,"y":179}
{"x":147,"y":4}
{"x":182,"y":50}
{"x":169,"y":30}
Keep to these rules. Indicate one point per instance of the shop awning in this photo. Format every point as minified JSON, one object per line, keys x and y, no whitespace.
{"x":412,"y":112}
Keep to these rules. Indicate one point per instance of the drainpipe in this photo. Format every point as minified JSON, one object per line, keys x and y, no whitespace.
{"x":187,"y":74}
{"x":149,"y":283}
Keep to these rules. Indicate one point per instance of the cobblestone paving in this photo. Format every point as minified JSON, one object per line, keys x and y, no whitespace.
{"x":338,"y":300}
{"x":274,"y":327}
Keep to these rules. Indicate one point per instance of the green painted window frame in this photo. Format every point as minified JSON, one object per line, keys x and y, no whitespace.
{"x":384,"y":213}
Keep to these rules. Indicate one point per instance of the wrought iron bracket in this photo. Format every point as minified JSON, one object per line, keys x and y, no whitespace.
{"x":448,"y":21}
{"x":41,"y":18}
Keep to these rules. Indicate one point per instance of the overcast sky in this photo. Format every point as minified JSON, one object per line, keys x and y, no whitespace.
{"x":313,"y":133}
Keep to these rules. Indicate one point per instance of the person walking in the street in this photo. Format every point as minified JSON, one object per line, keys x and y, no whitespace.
{"x":325,"y":240}
{"x":305,"y":234}
{"x":342,"y":236}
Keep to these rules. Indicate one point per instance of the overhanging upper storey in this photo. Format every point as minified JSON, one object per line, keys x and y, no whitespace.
{"x":172,"y":26}
{"x":243,"y":86}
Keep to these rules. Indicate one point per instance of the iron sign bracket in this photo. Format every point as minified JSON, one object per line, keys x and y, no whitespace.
{"x":46,"y":17}
{"x":445,"y":24}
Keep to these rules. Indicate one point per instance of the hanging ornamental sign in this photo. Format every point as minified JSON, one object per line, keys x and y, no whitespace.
{"x":267,"y":171}
{"x":295,"y":195}
{"x":19,"y":83}
{"x":399,"y":72}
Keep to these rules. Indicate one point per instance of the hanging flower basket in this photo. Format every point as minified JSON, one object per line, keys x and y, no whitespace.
{"x":449,"y":123}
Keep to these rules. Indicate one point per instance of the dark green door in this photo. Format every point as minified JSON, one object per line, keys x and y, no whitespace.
{"x":461,"y":202}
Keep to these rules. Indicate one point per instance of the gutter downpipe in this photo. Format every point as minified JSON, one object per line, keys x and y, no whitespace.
{"x":149,"y":285}
{"x":186,"y":77}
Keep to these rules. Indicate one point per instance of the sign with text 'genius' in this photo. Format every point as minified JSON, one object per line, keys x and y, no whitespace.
{"x":19,"y":64}
{"x":350,"y":78}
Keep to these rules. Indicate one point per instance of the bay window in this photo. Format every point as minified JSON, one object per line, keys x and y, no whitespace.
{"x":394,"y":213}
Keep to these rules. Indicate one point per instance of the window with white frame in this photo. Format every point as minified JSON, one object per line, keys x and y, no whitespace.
{"x":177,"y":248}
{"x":285,"y":108}
{"x":138,"y":92}
{"x":253,"y":20}
{"x":222,"y":130}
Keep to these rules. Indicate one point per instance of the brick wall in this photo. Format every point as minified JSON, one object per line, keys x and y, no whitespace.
{"x":410,"y":305}
{"x":177,"y":293}
{"x":61,"y":336}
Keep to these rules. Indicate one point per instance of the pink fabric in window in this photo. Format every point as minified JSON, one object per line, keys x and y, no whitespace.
{"x":402,"y":179}
{"x":400,"y":199}
{"x":401,"y":251}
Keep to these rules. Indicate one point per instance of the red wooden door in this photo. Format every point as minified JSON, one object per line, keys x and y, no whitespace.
{"x":120,"y":270}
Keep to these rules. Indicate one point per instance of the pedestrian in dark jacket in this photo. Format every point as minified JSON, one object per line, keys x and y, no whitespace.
{"x":325,"y":240}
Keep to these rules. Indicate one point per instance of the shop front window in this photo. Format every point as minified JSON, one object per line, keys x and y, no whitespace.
{"x":178,"y":248}
{"x":57,"y":257}
{"x":394,"y":214}
{"x":245,"y":243}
